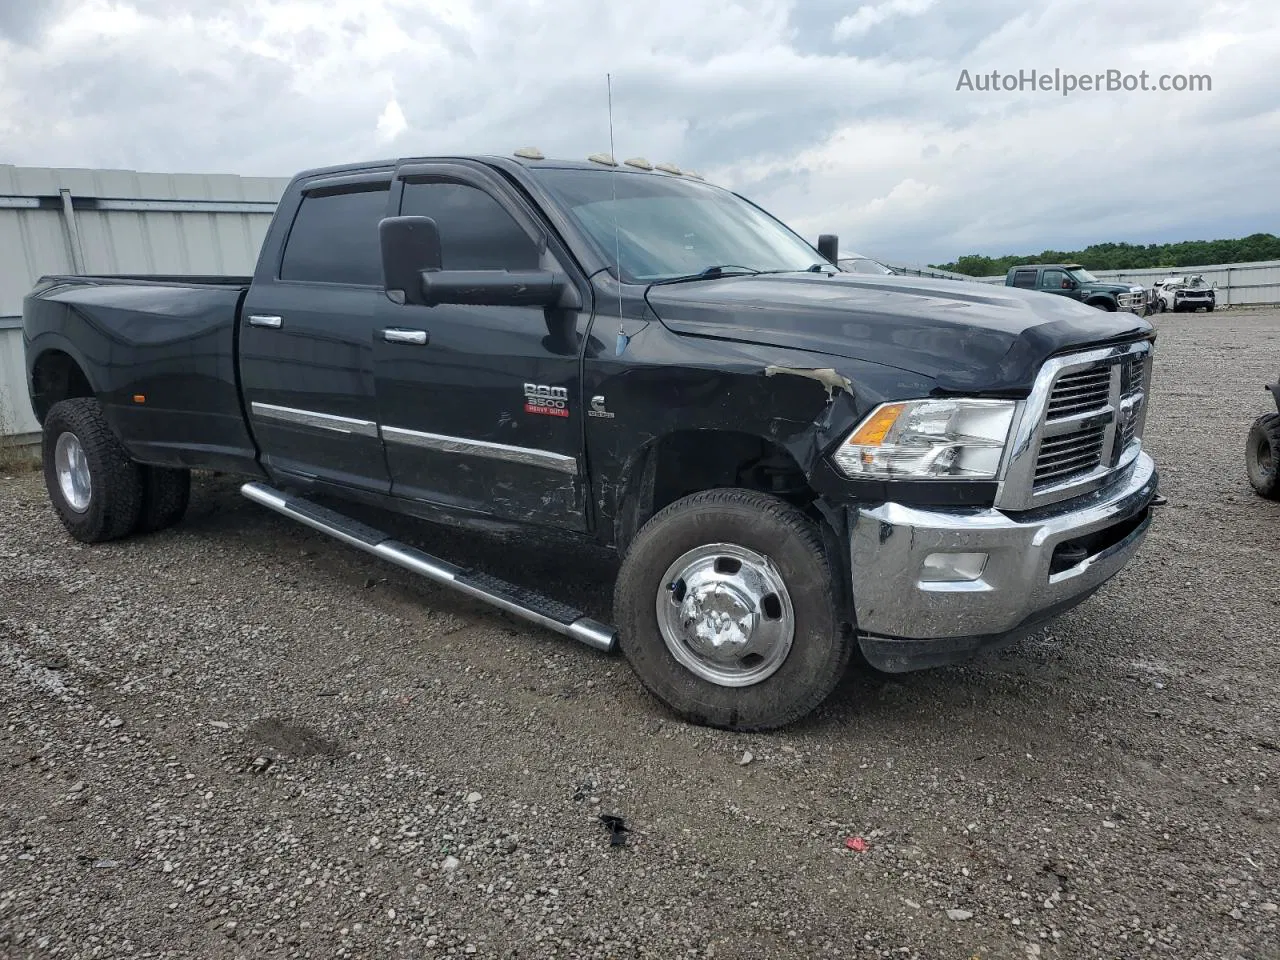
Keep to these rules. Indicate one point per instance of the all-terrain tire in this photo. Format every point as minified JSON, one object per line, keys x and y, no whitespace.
{"x":166,"y":491}
{"x":1262,"y":456}
{"x":115,"y":482}
{"x":793,"y":545}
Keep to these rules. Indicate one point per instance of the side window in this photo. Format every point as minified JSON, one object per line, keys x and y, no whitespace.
{"x":476,"y":233}
{"x":1024,"y":278}
{"x":1053,"y":279}
{"x":334,"y":238}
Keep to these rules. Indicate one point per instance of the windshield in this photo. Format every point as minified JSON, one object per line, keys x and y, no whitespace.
{"x":669,"y":228}
{"x":865,"y":265}
{"x":1081,"y":275}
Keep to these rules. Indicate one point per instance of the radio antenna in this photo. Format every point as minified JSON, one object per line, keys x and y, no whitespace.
{"x":623,"y":339}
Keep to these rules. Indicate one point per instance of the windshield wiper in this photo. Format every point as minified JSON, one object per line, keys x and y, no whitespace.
{"x":715,"y":272}
{"x":812,"y":268}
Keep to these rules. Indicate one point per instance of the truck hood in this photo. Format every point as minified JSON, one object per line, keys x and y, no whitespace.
{"x":967,"y":337}
{"x":1100,"y":287}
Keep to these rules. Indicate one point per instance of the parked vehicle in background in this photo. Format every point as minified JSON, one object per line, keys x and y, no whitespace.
{"x":1074,"y":281}
{"x":1262,"y":450}
{"x":790,"y":461}
{"x":856,"y":263}
{"x":1185,"y":293}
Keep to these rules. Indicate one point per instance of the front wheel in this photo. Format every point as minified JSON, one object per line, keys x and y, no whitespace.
{"x":95,"y":487}
{"x":1262,"y":456}
{"x":726,"y":612}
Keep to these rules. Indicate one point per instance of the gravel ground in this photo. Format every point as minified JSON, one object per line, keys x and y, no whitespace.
{"x":241,"y":738}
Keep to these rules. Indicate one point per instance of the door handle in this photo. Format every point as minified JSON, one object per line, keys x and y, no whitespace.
{"x":263,"y":320}
{"x":392,"y":335}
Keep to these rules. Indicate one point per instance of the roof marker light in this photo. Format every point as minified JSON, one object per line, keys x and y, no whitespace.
{"x":668,"y":168}
{"x":640,"y":162}
{"x":530,"y":153}
{"x":605,"y":158}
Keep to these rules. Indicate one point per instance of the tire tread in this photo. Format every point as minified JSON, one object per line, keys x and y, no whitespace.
{"x":1269,"y":426}
{"x":116,"y":478}
{"x":166,"y":492}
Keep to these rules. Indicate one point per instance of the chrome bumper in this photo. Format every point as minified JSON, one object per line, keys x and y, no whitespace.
{"x":1021,"y":584}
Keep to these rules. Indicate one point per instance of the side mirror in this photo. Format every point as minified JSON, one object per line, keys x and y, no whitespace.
{"x":412,"y":273}
{"x":409,"y":245}
{"x":498,"y":288}
{"x":1068,"y":283}
{"x":829,"y":246}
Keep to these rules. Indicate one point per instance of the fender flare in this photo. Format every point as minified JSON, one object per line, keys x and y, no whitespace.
{"x":50,"y":342}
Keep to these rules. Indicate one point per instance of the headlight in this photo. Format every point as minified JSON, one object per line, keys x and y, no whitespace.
{"x":929,"y":440}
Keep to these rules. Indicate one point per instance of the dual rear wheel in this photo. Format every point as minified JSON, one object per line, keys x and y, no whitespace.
{"x":98,"y":491}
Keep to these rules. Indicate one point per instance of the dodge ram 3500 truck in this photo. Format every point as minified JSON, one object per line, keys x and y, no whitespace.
{"x":791,"y":461}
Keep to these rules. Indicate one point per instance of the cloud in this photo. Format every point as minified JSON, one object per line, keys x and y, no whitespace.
{"x":392,"y":122}
{"x":863,"y":133}
{"x":871,"y":15}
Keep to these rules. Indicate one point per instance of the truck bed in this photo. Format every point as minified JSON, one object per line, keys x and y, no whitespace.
{"x":160,"y":354}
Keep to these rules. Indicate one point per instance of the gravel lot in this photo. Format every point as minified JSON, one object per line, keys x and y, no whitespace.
{"x":241,"y":738}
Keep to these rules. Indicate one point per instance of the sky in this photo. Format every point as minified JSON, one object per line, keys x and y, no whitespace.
{"x":836,"y":115}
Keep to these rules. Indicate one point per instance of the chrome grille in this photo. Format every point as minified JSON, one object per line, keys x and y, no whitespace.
{"x":1133,"y":377}
{"x":1071,"y":454}
{"x":1082,"y":422}
{"x":1080,"y":392}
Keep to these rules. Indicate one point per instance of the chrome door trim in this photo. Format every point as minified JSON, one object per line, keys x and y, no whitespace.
{"x":311,"y":418}
{"x":482,"y":448}
{"x":265,"y":320}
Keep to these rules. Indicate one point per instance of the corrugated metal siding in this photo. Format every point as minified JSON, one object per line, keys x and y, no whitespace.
{"x":174,"y":223}
{"x":16,"y":417}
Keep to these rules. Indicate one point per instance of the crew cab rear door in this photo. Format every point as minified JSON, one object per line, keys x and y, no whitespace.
{"x":480,"y":406}
{"x":307,"y":334}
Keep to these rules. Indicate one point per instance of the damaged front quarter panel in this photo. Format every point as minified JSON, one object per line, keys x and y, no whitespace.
{"x":698,"y":403}
{"x":827,"y":376}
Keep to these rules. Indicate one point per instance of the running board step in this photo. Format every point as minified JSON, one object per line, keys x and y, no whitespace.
{"x":521,"y":602}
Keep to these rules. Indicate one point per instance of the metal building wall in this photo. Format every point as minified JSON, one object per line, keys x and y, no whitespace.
{"x":116,"y":221}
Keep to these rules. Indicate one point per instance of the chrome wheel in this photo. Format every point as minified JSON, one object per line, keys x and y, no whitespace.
{"x":725,"y":614}
{"x":73,"y":472}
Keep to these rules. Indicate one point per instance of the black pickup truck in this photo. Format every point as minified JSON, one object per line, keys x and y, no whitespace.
{"x":793,"y":462}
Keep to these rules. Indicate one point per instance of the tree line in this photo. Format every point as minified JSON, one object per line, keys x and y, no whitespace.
{"x":1130,"y":256}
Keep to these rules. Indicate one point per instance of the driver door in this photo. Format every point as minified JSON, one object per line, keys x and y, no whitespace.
{"x":480,"y":406}
{"x":1057,"y":281}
